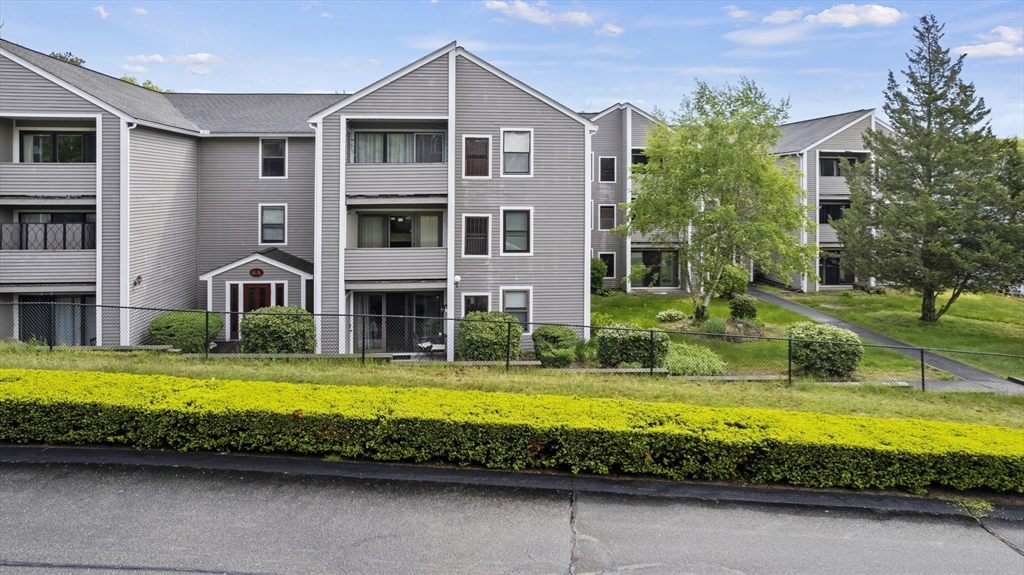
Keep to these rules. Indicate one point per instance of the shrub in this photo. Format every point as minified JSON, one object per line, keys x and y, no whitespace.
{"x":828,"y":350}
{"x":586,"y":351}
{"x":686,"y":359}
{"x":485,"y":336}
{"x":555,"y":345}
{"x":743,"y":307}
{"x":597,"y":321}
{"x":508,"y":431}
{"x":598,"y":269}
{"x":670,"y":315}
{"x":715,"y":325}
{"x":184,"y":330}
{"x":628,"y":344}
{"x":733,"y":282}
{"x":277,"y":329}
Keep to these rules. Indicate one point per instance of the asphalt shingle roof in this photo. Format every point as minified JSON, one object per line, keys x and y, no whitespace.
{"x":797,"y":136}
{"x":288,"y":259}
{"x":252,"y":113}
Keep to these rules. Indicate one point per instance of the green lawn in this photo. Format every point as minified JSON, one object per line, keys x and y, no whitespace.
{"x":976,"y":322}
{"x":875,"y":401}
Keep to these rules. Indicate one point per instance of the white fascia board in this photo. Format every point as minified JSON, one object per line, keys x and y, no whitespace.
{"x":255,"y":258}
{"x":606,"y":111}
{"x":623,"y":106}
{"x":383,"y":82}
{"x":260,"y":135}
{"x":536,"y":94}
{"x":166,"y":128}
{"x":63,"y":84}
{"x":870,"y":113}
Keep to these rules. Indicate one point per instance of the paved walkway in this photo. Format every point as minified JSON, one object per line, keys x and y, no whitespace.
{"x":971,"y":378}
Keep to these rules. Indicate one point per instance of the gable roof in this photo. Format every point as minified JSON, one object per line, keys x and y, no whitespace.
{"x":798,"y":136}
{"x":288,"y":259}
{"x":135,"y":101}
{"x":252,"y":113}
{"x":270,"y":256}
{"x":595,"y":116}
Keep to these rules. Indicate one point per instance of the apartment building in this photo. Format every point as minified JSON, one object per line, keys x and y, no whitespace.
{"x":445,"y":187}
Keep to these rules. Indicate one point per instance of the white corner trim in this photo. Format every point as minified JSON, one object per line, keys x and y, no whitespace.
{"x":73,"y":89}
{"x":615,"y":172}
{"x":259,"y":224}
{"x":588,"y":215}
{"x":450,"y":251}
{"x":490,"y":154}
{"x":342,"y":224}
{"x":490,"y":233}
{"x":260,"y":163}
{"x":256,"y":258}
{"x":475,"y":294}
{"x":124,"y":235}
{"x":318,"y":223}
{"x":501,"y":153}
{"x":99,"y":228}
{"x":501,"y":234}
{"x":529,"y":308}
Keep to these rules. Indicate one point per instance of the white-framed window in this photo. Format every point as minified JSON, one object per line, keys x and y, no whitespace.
{"x":476,"y":156}
{"x":273,"y":158}
{"x":606,"y":169}
{"x":475,"y":302}
{"x":516,"y":231}
{"x":609,"y":260}
{"x":273,"y":220}
{"x":605,"y":216}
{"x":518,"y":301}
{"x":516,"y":152}
{"x":476,"y":235}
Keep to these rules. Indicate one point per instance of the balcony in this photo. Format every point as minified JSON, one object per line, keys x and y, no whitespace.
{"x":53,"y":180}
{"x":395,"y":264}
{"x":833,"y":187}
{"x":408,"y":180}
{"x":47,"y":237}
{"x":827,"y":234}
{"x":47,"y":267}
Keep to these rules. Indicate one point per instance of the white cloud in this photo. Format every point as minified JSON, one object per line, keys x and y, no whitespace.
{"x":131,"y":68}
{"x":538,"y":13}
{"x":610,"y":30}
{"x":140,"y":11}
{"x":1004,"y":41}
{"x":849,"y":15}
{"x":783,"y":16}
{"x":736,"y":14}
{"x":326,"y":15}
{"x":197,"y":58}
{"x":201,"y":70}
{"x":103,"y":13}
{"x":141,"y":58}
{"x":1005,"y":34}
{"x":767,"y":36}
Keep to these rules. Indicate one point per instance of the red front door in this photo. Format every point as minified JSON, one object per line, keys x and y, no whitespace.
{"x":255,"y":296}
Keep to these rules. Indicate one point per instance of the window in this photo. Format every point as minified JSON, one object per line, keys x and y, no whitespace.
{"x":516,"y":302}
{"x":398,"y":148}
{"x":516,"y":231}
{"x":638,"y":156}
{"x":477,"y":235}
{"x":606,"y":217}
{"x":272,"y":224}
{"x":58,"y":147}
{"x":609,"y":260}
{"x":516,"y":150}
{"x":399,"y":230}
{"x":272,"y":158}
{"x":50,"y":231}
{"x":475,"y":302}
{"x":831,"y":167}
{"x":831,"y":211}
{"x":477,"y":150}
{"x":606,"y":169}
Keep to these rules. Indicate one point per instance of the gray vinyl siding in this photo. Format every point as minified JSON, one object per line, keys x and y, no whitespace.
{"x":610,"y":141}
{"x":330,"y":287}
{"x":54,"y":180}
{"x":25,"y":93}
{"x":240,"y":274}
{"x":6,"y":140}
{"x":230,"y":191}
{"x":558,"y":269}
{"x":849,"y":139}
{"x":396,"y":179}
{"x":163,"y":225}
{"x":423,"y":92}
{"x":640,"y":127}
{"x":385,"y":264}
{"x":48,"y":267}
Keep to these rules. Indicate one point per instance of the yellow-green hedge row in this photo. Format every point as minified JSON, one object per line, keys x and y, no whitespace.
{"x":506,"y":431}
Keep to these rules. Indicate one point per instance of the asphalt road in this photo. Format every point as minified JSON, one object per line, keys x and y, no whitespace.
{"x":91,"y":519}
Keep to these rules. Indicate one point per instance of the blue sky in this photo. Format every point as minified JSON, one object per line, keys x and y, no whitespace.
{"x":826,"y":57}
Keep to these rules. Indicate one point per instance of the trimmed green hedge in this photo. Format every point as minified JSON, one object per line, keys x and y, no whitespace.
{"x":489,"y":336}
{"x":184,"y":330}
{"x":506,"y":431}
{"x":278,"y":329}
{"x":625,"y":345}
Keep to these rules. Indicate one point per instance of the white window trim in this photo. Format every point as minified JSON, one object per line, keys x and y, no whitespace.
{"x":490,"y":160}
{"x":501,"y":161}
{"x":475,"y":294}
{"x":615,"y":172}
{"x":490,"y":234}
{"x":615,"y":262}
{"x":501,"y":235}
{"x":529,"y":309}
{"x":259,"y":154}
{"x":259,"y":224}
{"x":615,"y":216}
{"x":241,"y":293}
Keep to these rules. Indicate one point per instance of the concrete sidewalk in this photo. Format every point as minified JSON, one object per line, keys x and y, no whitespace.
{"x":970,"y":376}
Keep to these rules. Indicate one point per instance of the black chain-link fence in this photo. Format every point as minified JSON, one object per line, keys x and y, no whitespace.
{"x":512,"y":345}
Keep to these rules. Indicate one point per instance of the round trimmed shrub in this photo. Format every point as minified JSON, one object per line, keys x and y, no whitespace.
{"x":598,"y":269}
{"x":619,"y":344}
{"x":557,"y":357}
{"x":825,"y":350}
{"x":484,"y":336}
{"x":670,"y":316}
{"x":278,"y":329}
{"x":550,"y":342}
{"x":684,"y":359}
{"x":743,"y":307}
{"x":184,"y":330}
{"x":733,"y":282}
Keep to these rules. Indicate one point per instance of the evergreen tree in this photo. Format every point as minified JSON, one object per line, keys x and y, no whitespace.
{"x":67,"y":57}
{"x":934,"y":211}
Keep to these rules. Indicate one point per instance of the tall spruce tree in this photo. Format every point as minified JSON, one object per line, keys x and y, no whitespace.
{"x":934,"y":212}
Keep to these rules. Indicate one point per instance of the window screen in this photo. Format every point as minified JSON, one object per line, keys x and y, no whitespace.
{"x":517,"y":303}
{"x":606,"y":219}
{"x":607,"y":170}
{"x":517,"y":152}
{"x":272,"y":222}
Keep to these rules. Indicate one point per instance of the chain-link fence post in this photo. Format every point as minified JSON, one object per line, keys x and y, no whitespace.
{"x":650,"y":352}
{"x":50,"y":328}
{"x":789,"y":368}
{"x":508,"y":344}
{"x":206,"y":337}
{"x":362,"y":346}
{"x":922,"y":369}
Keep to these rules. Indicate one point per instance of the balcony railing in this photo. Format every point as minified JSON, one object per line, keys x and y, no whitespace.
{"x":35,"y":236}
{"x":47,"y":179}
